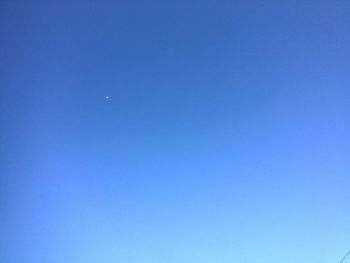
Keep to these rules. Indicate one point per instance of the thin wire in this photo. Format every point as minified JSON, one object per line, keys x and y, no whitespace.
{"x":347,"y":254}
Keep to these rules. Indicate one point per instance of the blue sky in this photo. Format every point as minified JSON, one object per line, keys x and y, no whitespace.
{"x":225,"y":137}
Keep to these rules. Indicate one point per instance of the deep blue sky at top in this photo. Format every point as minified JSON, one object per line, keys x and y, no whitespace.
{"x":225,"y":137}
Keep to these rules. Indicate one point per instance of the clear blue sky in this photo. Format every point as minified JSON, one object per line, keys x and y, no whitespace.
{"x":225,"y":137}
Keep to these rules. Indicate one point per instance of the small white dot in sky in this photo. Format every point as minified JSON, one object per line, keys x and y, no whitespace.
{"x":107,"y":97}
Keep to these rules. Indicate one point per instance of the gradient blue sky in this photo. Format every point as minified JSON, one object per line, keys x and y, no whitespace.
{"x":225,"y":137}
